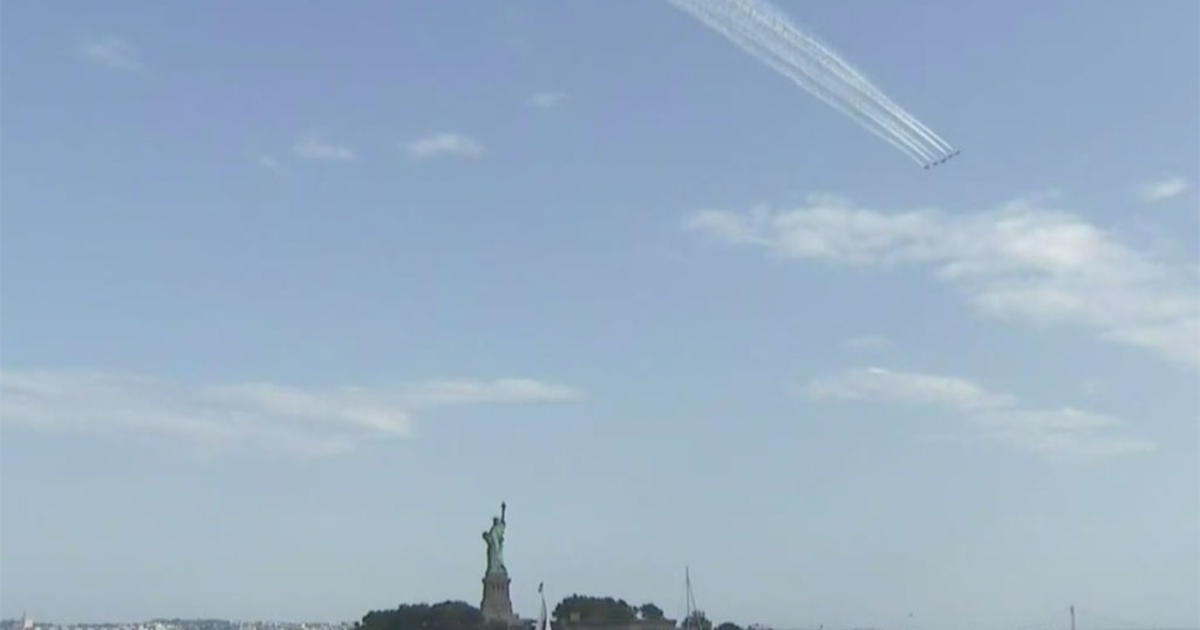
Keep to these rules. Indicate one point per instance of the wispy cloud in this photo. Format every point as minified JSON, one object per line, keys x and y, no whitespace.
{"x":469,"y":392}
{"x":1000,"y":417}
{"x":546,"y":100}
{"x":1165,"y":188}
{"x":865,"y":343}
{"x":112,"y":52}
{"x":907,"y":387}
{"x":445,"y":145}
{"x":269,"y":163}
{"x":312,"y":148}
{"x":261,"y":416}
{"x":1020,"y":262}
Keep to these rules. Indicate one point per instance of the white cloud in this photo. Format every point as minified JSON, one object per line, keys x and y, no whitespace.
{"x":1165,"y":188}
{"x":908,"y":387}
{"x":1065,"y":431}
{"x":264,"y":416}
{"x":1020,"y":262}
{"x":730,"y":226}
{"x":445,"y":144}
{"x":112,"y":52}
{"x":269,"y":163}
{"x":505,"y":390}
{"x":866,"y":343}
{"x":998,"y":417}
{"x":546,"y":100}
{"x":311,"y":148}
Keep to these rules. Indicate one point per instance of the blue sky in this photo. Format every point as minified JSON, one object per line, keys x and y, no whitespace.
{"x":294,"y":294}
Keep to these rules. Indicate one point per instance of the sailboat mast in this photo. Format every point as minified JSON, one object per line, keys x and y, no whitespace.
{"x":687,"y":593}
{"x":689,"y":602}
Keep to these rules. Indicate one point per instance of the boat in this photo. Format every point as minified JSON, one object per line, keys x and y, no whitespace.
{"x":543,"y":620}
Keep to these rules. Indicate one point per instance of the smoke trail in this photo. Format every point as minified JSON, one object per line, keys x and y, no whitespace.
{"x":798,"y":55}
{"x":779,"y":22}
{"x":810,"y":47}
{"x":802,"y":56}
{"x":766,"y":33}
{"x":773,"y":19}
{"x":775,"y":54}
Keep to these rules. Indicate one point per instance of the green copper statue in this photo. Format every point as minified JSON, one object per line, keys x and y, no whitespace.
{"x":494,"y":538}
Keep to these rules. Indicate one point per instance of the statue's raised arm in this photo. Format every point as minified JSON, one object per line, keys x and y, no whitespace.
{"x":503,"y":507}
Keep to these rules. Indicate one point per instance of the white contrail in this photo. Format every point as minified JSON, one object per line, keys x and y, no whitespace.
{"x":799,"y":56}
{"x":775,"y":53}
{"x":795,"y":54}
{"x":812,"y":46}
{"x":808,"y":48}
{"x":766,"y":33}
{"x":881,"y":98}
{"x":779,"y":22}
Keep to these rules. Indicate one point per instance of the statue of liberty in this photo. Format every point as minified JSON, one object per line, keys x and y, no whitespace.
{"x":494,"y":537}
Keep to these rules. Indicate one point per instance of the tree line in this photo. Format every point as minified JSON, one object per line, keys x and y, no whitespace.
{"x":458,"y":615}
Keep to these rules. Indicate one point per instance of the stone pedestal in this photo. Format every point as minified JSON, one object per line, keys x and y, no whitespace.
{"x":497,"y":605}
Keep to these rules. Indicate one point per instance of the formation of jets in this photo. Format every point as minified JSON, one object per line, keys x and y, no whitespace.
{"x":936,"y":162}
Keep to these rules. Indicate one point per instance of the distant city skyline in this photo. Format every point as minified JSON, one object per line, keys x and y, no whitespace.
{"x":177,"y":624}
{"x":294,"y":295}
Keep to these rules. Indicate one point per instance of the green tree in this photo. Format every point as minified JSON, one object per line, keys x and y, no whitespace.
{"x":696,"y":621}
{"x":650,"y":612}
{"x":447,"y":615}
{"x":729,"y":625}
{"x":594,"y":610}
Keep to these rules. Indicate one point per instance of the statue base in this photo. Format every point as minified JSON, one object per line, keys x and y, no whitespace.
{"x":497,"y":605}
